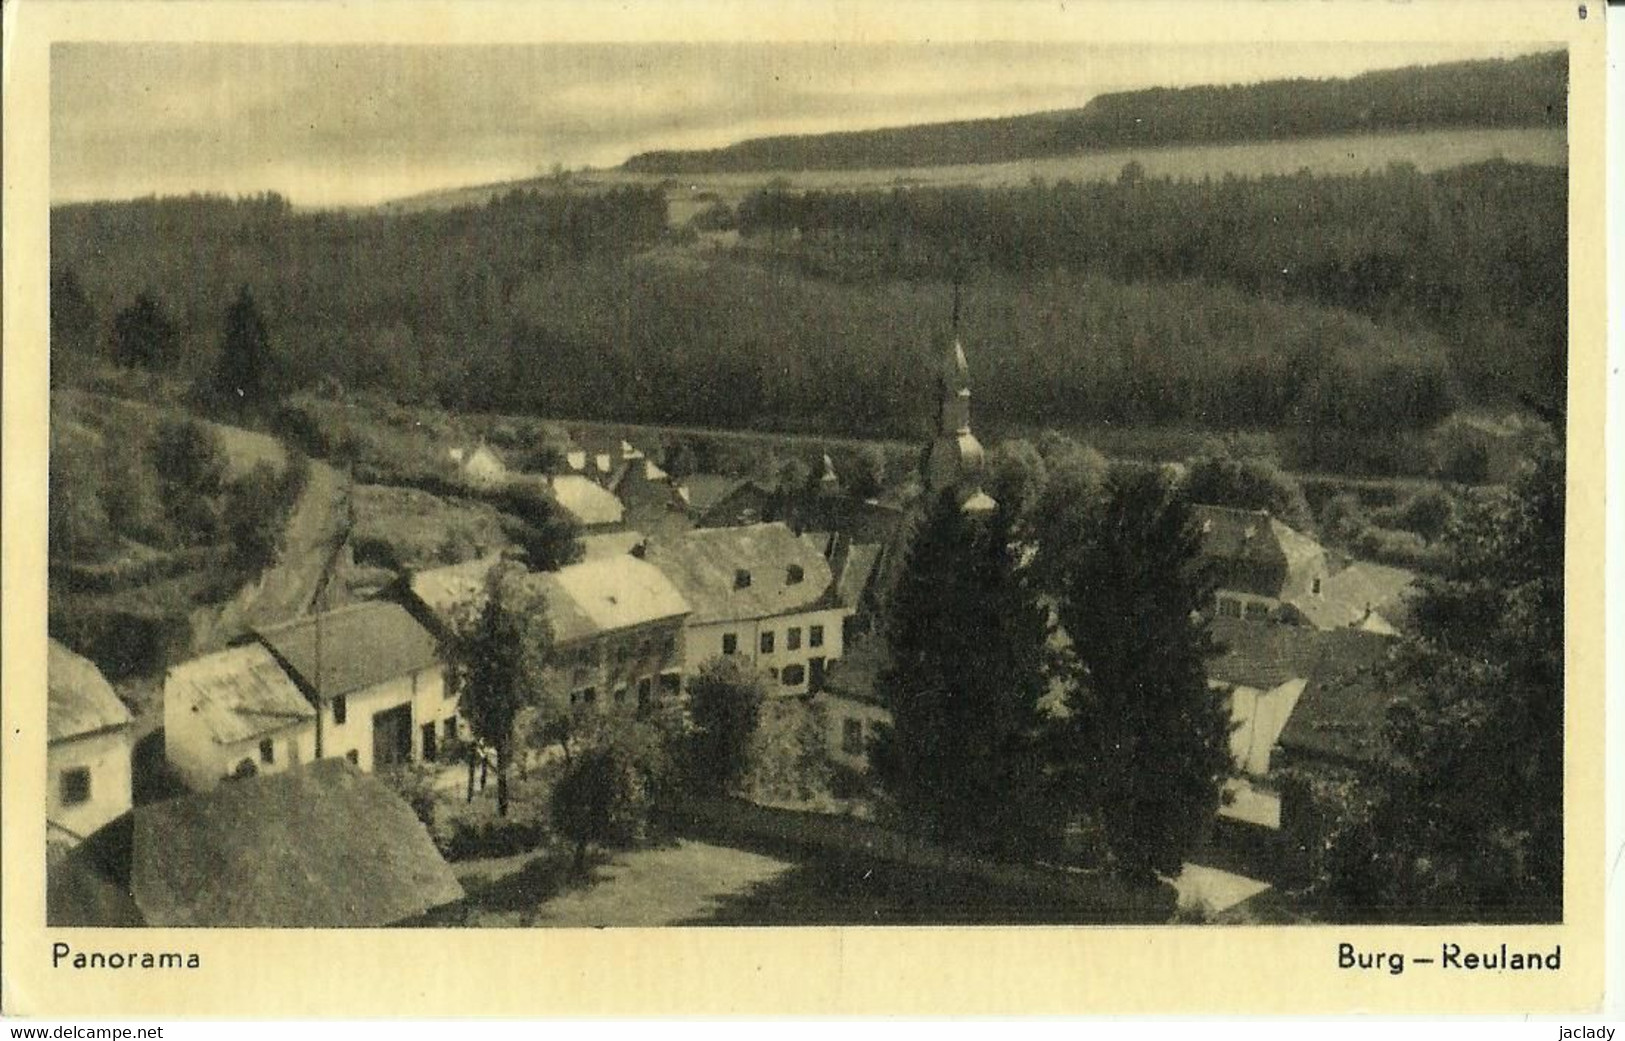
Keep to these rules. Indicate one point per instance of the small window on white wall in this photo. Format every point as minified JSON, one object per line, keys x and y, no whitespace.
{"x":75,"y":785}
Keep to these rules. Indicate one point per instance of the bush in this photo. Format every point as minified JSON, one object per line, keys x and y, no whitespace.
{"x":492,"y":838}
{"x":725,"y":704}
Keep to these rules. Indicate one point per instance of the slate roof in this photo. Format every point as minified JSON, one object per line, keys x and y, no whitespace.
{"x":1262,"y":655}
{"x":239,"y":693}
{"x":589,"y":503}
{"x":318,"y":846}
{"x":1345,"y":595}
{"x":610,"y":544}
{"x":361,"y":646}
{"x":81,"y":701}
{"x":583,"y":600}
{"x":703,"y":565}
{"x":1343,"y":711}
{"x":857,"y":570}
{"x":704,"y":491}
{"x":1245,"y":547}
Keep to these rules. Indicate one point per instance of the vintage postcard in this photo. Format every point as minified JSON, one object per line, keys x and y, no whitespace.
{"x":540,"y":509}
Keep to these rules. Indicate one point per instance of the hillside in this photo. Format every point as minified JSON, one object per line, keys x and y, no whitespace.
{"x":1520,"y":92}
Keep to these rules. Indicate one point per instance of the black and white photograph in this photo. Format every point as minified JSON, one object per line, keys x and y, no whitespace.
{"x":536,"y":486}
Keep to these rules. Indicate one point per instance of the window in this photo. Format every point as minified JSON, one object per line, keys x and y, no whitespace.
{"x":1316,"y":589}
{"x":852,"y":737}
{"x":267,"y":751}
{"x":1229,"y":607}
{"x":794,"y":675}
{"x":815,"y":636}
{"x":792,"y":639}
{"x":730,"y":643}
{"x":353,"y":756}
{"x":767,"y":642}
{"x":742,"y":579}
{"x":339,"y":710}
{"x":670,"y":683}
{"x":1258,"y":612}
{"x":76,"y":786}
{"x":774,"y":673}
{"x":584,"y":696}
{"x":646,"y":691}
{"x":451,"y":729}
{"x":793,"y":575}
{"x":620,"y":694}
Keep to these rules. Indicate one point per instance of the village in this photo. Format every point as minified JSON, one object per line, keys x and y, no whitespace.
{"x":322,"y":768}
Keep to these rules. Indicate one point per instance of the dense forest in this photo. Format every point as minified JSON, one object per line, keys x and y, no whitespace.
{"x":1477,"y":254}
{"x":1527,"y":91}
{"x":1346,"y":313}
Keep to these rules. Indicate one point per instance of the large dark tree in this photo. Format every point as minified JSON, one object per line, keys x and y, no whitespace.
{"x":1250,"y":484}
{"x":725,"y":703}
{"x":1466,"y":818}
{"x":498,"y":662}
{"x":143,"y":334}
{"x":244,"y":373}
{"x":73,"y":324}
{"x":1144,"y":748}
{"x":967,"y":635}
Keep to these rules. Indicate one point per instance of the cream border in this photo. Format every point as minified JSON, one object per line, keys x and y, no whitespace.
{"x":775,"y":971}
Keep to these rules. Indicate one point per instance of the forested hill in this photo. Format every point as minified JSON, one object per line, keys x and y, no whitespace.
{"x":1528,"y":91}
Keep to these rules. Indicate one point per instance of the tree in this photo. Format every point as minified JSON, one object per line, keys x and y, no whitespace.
{"x":550,"y":538}
{"x":1249,"y":484}
{"x":243,"y":377}
{"x":1466,"y":822}
{"x":253,"y":517}
{"x":191,"y":475}
{"x":73,"y":324}
{"x":498,"y":660}
{"x":960,"y":758}
{"x":1016,"y":475}
{"x":143,"y":334}
{"x":725,"y":703}
{"x":1143,"y":748}
{"x":597,"y":800}
{"x":618,"y":770}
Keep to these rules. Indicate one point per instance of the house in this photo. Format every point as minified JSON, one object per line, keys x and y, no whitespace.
{"x":88,"y":734}
{"x":1342,"y":713}
{"x":480,"y":466}
{"x":1263,"y":667}
{"x":235,"y":713}
{"x":617,"y":624}
{"x":1260,"y":563}
{"x":852,"y":710}
{"x":757,"y":590}
{"x":588,"y":503}
{"x":717,"y":501}
{"x":321,"y":846}
{"x":376,"y":678}
{"x":1362,"y":595}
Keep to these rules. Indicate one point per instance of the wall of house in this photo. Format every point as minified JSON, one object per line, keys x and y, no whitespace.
{"x":106,"y":755}
{"x":290,"y":746}
{"x":608,"y":669}
{"x":706,"y":642}
{"x":423,"y":690}
{"x":850,"y":726}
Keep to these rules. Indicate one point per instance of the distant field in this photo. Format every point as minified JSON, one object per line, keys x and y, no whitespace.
{"x":1345,"y":154}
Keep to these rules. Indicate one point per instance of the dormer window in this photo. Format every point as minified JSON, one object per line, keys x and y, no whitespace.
{"x":742,"y":579}
{"x":794,"y":574}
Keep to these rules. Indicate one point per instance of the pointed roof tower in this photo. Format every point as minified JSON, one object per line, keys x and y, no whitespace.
{"x":956,"y":459}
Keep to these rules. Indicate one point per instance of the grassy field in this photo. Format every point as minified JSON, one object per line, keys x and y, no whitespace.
{"x":1345,"y":154}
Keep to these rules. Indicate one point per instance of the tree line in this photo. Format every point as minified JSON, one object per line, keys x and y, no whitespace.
{"x":1525,"y":91}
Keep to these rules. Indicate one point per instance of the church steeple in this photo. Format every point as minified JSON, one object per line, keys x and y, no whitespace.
{"x":956,"y":458}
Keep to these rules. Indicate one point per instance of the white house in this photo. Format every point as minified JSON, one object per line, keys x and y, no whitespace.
{"x":760,"y":591}
{"x":480,"y":466}
{"x":617,"y":625}
{"x":235,"y":713}
{"x":588,"y":503}
{"x":377,"y":680}
{"x":88,"y":749}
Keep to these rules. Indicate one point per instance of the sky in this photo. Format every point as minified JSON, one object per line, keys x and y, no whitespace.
{"x":355,"y":125}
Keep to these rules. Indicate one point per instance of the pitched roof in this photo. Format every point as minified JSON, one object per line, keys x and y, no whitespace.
{"x":611,"y":593}
{"x":583,"y":600}
{"x":703,"y":491}
{"x":857,"y":570}
{"x":1343,"y":710}
{"x":610,"y":544}
{"x":1245,"y":545}
{"x":81,"y":701}
{"x":1262,"y":655}
{"x":319,"y":846}
{"x":705,"y":565}
{"x":238,"y":693}
{"x":1346,"y":595}
{"x":359,"y":646}
{"x":590,"y":504}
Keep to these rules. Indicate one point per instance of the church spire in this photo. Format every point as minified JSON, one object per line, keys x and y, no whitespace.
{"x":955,"y":460}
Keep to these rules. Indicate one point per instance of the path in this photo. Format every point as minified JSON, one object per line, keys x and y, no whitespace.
{"x":317,"y":529}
